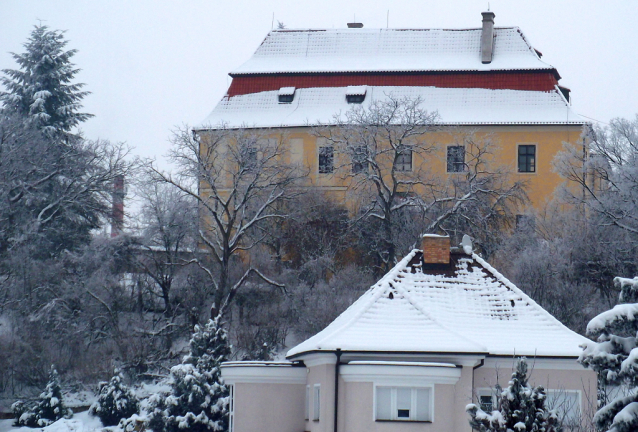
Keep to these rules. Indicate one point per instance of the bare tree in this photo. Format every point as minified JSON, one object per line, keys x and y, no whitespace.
{"x":239,"y":178}
{"x":168,"y":228}
{"x":386,"y":151}
{"x":602,"y":175}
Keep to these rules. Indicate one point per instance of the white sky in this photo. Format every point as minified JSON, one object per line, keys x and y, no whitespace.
{"x":154,"y":64}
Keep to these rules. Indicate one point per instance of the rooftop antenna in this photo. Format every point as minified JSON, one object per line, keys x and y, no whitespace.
{"x":272,"y":23}
{"x":387,"y":19}
{"x":488,"y":6}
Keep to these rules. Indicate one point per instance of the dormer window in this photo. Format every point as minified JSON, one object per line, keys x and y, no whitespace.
{"x":286,"y":94}
{"x":356,"y":94}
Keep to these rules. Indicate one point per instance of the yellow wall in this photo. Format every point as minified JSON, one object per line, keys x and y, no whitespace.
{"x":303,"y":150}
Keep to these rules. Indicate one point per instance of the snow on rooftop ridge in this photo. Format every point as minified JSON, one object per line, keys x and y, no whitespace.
{"x":456,"y":106}
{"x":412,"y":311}
{"x":389,"y":50}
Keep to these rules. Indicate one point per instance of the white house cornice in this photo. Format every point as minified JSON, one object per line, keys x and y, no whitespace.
{"x":400,"y":374}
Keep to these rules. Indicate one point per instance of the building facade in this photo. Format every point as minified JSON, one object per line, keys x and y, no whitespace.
{"x":488,"y":81}
{"x":436,"y":333}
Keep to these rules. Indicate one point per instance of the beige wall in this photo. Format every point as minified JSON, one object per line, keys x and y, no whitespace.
{"x":323,"y":375}
{"x":278,"y":407}
{"x":574,"y":378}
{"x":265,"y":407}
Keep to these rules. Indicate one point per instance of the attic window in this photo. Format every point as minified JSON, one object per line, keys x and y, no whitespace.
{"x":286,"y":94}
{"x":356,"y":94}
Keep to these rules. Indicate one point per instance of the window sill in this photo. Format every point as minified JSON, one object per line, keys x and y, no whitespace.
{"x":404,"y":421}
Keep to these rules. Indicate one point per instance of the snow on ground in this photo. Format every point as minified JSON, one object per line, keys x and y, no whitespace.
{"x":81,"y":422}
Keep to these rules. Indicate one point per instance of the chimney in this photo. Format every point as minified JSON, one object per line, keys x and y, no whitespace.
{"x":355,"y":25}
{"x":436,"y":249}
{"x":487,"y":37}
{"x":117,"y":212}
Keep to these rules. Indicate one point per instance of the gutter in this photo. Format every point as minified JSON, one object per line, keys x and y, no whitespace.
{"x":336,"y":415}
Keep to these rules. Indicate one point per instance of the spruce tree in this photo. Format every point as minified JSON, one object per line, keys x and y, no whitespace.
{"x":115,"y":402}
{"x":615,"y":358}
{"x":520,"y":408}
{"x":198,"y":400}
{"x":48,"y":409}
{"x":42,"y":89}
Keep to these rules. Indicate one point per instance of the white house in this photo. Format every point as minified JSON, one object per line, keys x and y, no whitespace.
{"x":433,"y":335}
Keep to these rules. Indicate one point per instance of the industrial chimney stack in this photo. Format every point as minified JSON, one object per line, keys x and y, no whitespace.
{"x":117,"y":213}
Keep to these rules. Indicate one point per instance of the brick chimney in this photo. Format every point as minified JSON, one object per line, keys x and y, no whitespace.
{"x":117,"y":215}
{"x":436,"y":249}
{"x":487,"y":37}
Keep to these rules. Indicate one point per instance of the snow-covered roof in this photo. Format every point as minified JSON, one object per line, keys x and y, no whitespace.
{"x":470,"y":309}
{"x":459,"y":106}
{"x":389,"y":50}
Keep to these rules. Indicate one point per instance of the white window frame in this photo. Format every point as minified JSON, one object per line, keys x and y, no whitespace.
{"x":316,"y":402}
{"x":413,"y":410}
{"x":486,"y":391}
{"x":231,"y":408}
{"x":307,"y":408}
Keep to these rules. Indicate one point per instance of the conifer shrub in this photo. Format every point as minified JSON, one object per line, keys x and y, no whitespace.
{"x":115,"y":402}
{"x":48,"y":408}
{"x":519,"y":407}
{"x":198,"y":400}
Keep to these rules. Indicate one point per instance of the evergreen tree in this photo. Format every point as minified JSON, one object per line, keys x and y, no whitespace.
{"x":42,"y":89}
{"x":199,"y":399}
{"x":520,"y":408}
{"x":48,"y":409}
{"x":615,"y":358}
{"x":115,"y":402}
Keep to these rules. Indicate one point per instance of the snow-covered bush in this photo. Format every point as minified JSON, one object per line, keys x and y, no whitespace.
{"x":615,"y":358}
{"x":115,"y":402}
{"x":132,"y":424}
{"x":198,"y":400}
{"x":48,"y":409}
{"x":519,"y":407}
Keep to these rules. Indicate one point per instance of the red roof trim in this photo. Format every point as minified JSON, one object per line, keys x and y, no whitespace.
{"x":521,"y":80}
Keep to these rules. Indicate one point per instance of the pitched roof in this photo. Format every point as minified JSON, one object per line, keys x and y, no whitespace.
{"x":470,"y":309}
{"x":389,"y":50}
{"x":456,"y":106}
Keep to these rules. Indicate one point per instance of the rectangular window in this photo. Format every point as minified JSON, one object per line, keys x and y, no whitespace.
{"x":316,"y":411}
{"x":403,"y":160}
{"x":527,"y":158}
{"x":231,"y":409}
{"x":360,"y":159}
{"x":326,"y":160}
{"x":566,"y":403}
{"x":249,"y":158}
{"x":307,"y":413}
{"x":403,"y":403}
{"x":486,"y":403}
{"x":456,"y":159}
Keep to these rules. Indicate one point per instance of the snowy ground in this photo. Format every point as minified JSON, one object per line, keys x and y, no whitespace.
{"x":81,"y":422}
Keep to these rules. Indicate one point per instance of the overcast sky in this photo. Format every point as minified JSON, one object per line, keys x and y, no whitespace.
{"x":154,"y":64}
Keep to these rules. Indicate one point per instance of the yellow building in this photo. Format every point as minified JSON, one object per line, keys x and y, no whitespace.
{"x":489,"y":82}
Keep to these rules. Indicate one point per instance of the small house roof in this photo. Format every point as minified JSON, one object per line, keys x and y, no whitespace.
{"x":456,"y":106}
{"x":389,"y":50}
{"x":469,"y":308}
